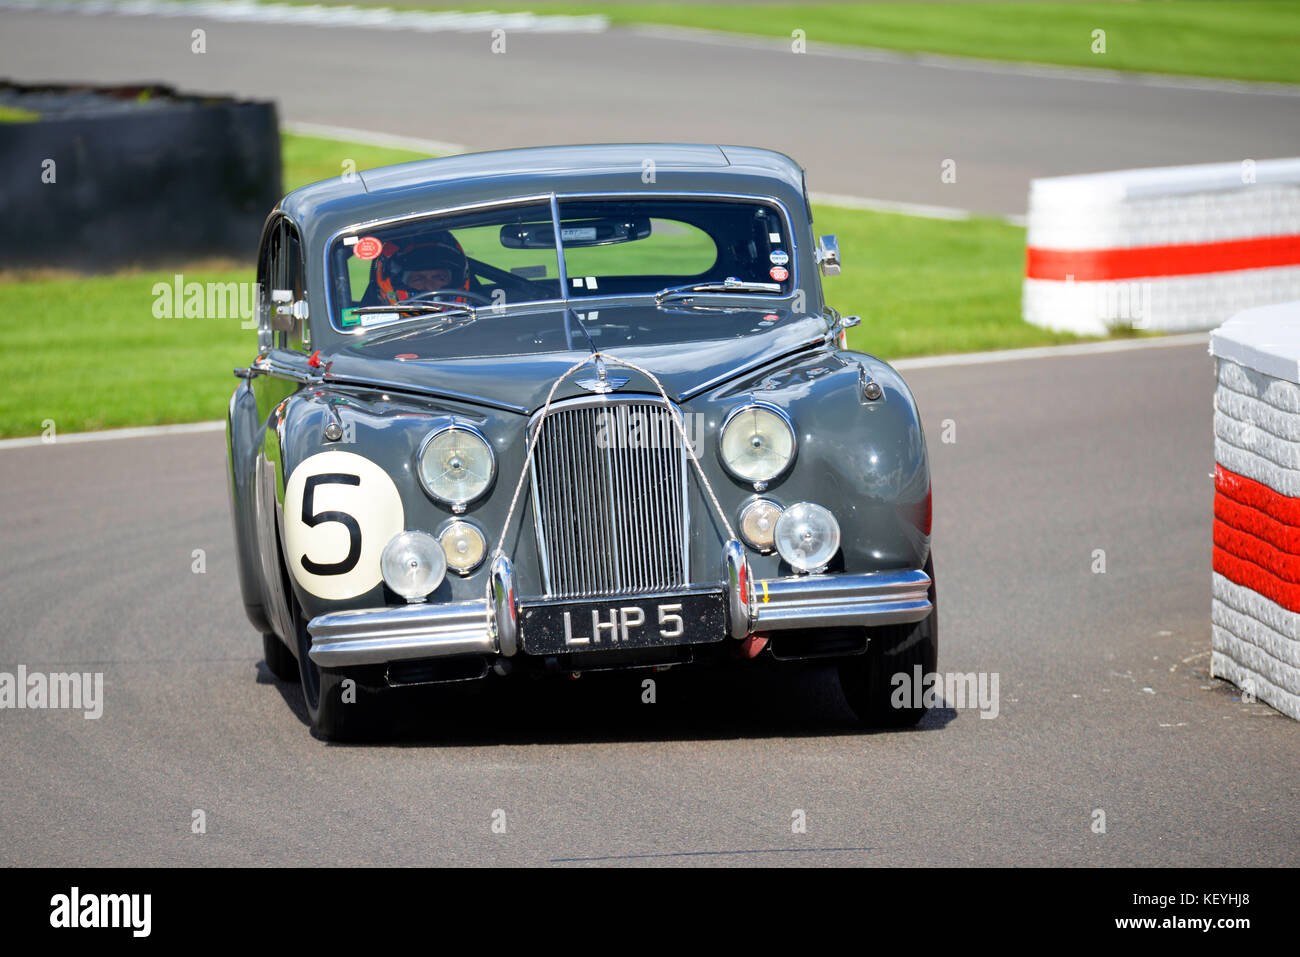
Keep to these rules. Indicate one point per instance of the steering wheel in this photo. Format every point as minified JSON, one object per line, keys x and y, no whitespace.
{"x":465,"y":293}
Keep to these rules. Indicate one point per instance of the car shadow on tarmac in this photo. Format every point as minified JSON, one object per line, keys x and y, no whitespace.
{"x":605,"y":707}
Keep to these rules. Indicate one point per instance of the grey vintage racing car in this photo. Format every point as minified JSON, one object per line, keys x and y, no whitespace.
{"x":567,"y":409}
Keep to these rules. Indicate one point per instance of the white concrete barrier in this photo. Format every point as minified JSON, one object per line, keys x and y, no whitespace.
{"x":1255,"y":611}
{"x":1178,"y":248}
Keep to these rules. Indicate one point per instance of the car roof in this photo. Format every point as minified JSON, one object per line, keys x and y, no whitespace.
{"x":467,"y":178}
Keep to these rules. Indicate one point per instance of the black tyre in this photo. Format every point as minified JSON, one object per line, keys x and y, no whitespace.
{"x":347,"y":705}
{"x":867,"y":679}
{"x":279,"y":659}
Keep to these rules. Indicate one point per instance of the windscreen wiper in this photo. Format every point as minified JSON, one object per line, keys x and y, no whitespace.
{"x":428,"y":305}
{"x":416,"y":324}
{"x":730,"y":284}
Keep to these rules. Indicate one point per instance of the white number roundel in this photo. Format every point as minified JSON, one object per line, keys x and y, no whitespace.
{"x":340,"y":510}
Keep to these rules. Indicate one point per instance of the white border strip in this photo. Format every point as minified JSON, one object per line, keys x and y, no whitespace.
{"x":368,"y":138}
{"x":147,"y":432}
{"x":941,"y":61}
{"x":909,"y":209}
{"x":1051,"y":352}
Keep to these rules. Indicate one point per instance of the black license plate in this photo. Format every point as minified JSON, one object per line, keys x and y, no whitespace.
{"x":608,"y":624}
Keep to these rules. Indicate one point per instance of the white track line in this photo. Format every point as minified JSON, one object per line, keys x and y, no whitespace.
{"x":317,"y":15}
{"x":415,"y":144}
{"x":1050,"y":352}
{"x":147,"y":432}
{"x":908,"y":209}
{"x":939,"y":61}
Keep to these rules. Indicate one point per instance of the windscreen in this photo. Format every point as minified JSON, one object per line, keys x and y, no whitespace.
{"x":505,"y":255}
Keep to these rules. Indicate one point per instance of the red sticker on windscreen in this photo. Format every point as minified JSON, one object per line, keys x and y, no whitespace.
{"x":779,"y":273}
{"x":367,"y":247}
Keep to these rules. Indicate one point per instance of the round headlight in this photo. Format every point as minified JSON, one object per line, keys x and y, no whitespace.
{"x":456,"y":465}
{"x":757,"y":443}
{"x":413,"y":564}
{"x":758,"y":524}
{"x":807,"y":536}
{"x":464,"y":545}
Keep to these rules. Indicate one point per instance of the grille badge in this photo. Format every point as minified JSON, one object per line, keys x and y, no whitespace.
{"x":603,"y":383}
{"x":607,"y":384}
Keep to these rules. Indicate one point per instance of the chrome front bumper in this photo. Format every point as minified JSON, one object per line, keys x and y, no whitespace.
{"x":381,"y":635}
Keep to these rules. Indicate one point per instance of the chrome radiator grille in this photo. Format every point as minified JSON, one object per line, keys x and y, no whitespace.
{"x":609,"y":499}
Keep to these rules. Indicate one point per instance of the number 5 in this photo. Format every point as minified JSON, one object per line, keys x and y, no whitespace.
{"x":343,"y":518}
{"x":666,"y":614}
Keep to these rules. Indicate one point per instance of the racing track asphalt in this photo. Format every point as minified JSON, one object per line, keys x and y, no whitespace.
{"x":862,"y":124}
{"x":1104,"y":698}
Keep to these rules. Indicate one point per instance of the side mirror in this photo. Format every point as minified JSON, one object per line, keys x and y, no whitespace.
{"x":828,"y":255}
{"x":289,"y":314}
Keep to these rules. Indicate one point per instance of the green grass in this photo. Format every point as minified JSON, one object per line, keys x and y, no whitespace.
{"x":89,"y":354}
{"x":14,"y":114}
{"x":929,"y":286}
{"x":94,"y":356}
{"x":1238,"y":39}
{"x":309,"y":159}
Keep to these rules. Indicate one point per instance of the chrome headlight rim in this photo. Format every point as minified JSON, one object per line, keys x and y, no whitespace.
{"x":791,"y":514}
{"x":759,"y":501}
{"x":456,"y":505}
{"x":447,"y":527}
{"x":414,"y":535}
{"x":760,"y":485}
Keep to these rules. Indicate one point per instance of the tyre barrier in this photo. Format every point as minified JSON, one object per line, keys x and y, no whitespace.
{"x":1171,"y":249}
{"x":102,"y":177}
{"x":1255,"y":587}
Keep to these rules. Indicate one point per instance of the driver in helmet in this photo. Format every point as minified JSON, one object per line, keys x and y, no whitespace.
{"x":423,"y":266}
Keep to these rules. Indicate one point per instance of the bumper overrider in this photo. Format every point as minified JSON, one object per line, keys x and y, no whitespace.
{"x":491,"y":626}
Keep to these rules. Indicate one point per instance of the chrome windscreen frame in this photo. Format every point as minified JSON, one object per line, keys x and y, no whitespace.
{"x":553,"y":199}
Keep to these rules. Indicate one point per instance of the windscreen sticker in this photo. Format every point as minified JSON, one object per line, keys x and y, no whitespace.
{"x":591,"y":282}
{"x":340,"y":510}
{"x":774,"y":238}
{"x":779,"y":257}
{"x":779,"y":273}
{"x":367,"y":247}
{"x":349,"y":240}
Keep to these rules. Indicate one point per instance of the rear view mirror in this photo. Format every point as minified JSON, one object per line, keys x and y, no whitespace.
{"x":576,"y":232}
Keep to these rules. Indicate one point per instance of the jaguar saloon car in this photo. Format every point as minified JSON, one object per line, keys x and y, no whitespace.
{"x":564,"y":409}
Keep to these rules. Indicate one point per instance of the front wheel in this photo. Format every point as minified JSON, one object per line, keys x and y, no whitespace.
{"x":341,"y":706}
{"x":867,"y":680}
{"x":279,"y":659}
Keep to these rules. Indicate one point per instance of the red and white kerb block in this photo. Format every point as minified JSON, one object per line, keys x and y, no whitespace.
{"x":1255,"y":616}
{"x":1179,"y":248}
